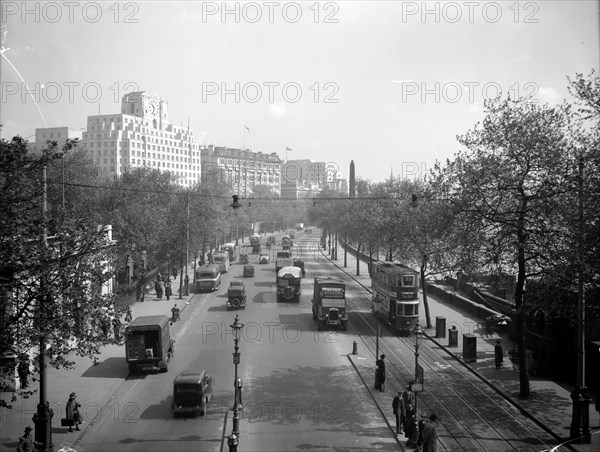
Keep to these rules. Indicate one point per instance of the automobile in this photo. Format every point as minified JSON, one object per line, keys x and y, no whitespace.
{"x":243,"y":259}
{"x":248,"y":271}
{"x":236,"y":295}
{"x":264,"y":259}
{"x":300,"y":264}
{"x":271,"y":239}
{"x":191,"y":393}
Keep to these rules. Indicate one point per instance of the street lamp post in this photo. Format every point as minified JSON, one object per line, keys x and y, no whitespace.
{"x":418,"y":336}
{"x":377,"y":304}
{"x":233,"y":439}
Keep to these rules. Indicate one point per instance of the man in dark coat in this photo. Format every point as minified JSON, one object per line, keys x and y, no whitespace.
{"x":23,"y":370}
{"x":429,"y":434}
{"x":26,"y":442}
{"x":399,"y":410}
{"x":380,"y":373}
{"x":498,"y":354}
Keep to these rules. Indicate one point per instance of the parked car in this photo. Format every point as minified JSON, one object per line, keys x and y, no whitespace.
{"x":243,"y":258}
{"x":236,"y":295}
{"x":248,"y":271}
{"x":264,"y":259}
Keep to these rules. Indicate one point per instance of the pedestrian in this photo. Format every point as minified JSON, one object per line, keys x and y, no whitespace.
{"x":129,"y":314}
{"x":429,"y":434}
{"x":73,"y":411}
{"x":175,"y":272}
{"x":408,"y":398}
{"x":175,"y":313}
{"x":26,"y":442}
{"x":158,"y":289}
{"x":168,"y":291}
{"x":23,"y":370}
{"x":499,"y":355}
{"x":186,"y":280}
{"x":409,"y":424}
{"x":380,"y":373}
{"x":117,"y":328}
{"x":398,"y":410}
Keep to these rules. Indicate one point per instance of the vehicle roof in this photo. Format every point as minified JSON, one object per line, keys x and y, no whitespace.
{"x":324,"y":280}
{"x":255,"y":236}
{"x":285,"y":237}
{"x":285,"y":261}
{"x":294,"y":271}
{"x":189,"y":377}
{"x":394,"y":267}
{"x":236,"y":283}
{"x":298,"y":261}
{"x":208,"y":267}
{"x":148,"y":320}
{"x":231,"y":245}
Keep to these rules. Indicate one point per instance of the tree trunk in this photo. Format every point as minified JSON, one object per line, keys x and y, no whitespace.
{"x":424,"y":288}
{"x":523,"y":371}
{"x":345,"y":251}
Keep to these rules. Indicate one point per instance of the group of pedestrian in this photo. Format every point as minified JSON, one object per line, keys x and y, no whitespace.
{"x":420,"y":434}
{"x":163,"y":282}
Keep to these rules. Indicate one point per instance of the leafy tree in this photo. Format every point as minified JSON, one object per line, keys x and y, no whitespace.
{"x":52,"y":265}
{"x":508,"y":180}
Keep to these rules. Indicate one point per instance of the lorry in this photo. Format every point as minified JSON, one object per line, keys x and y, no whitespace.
{"x":288,"y":284}
{"x":286,"y":242}
{"x":283,"y":262}
{"x":299,"y":226}
{"x":329,"y":303}
{"x":255,"y":243}
{"x":148,"y":343}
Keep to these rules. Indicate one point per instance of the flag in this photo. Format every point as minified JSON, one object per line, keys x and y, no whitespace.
{"x":246,"y":127}
{"x":288,"y":149}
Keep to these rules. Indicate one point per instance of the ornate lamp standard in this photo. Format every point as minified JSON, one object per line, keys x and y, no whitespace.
{"x":418,"y":337}
{"x":233,"y":439}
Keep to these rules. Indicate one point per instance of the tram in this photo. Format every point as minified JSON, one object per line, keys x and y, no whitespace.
{"x":395,"y":295}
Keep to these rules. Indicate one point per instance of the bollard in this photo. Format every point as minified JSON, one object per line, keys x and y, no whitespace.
{"x":354,"y":348}
{"x":469,"y":348}
{"x":452,"y":337}
{"x":440,"y":326}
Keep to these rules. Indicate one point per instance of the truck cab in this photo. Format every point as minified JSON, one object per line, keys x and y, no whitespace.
{"x":288,"y":284}
{"x":280,"y":263}
{"x":329,"y":303}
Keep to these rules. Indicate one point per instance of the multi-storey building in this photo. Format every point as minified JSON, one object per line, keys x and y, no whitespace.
{"x":141,"y":135}
{"x":58,"y":134}
{"x":305,"y":178}
{"x":241,"y":168}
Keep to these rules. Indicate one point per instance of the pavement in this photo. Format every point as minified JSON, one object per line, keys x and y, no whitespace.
{"x":550,"y":404}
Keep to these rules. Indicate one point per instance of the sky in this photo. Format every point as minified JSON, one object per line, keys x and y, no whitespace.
{"x":387,"y":84}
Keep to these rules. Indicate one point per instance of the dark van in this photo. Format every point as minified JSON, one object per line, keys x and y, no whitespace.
{"x":191,"y":393}
{"x":208,"y":277}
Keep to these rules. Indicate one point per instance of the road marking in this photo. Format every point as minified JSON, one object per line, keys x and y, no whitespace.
{"x":443,"y":366}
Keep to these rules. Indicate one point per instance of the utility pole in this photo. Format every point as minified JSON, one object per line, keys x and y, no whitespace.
{"x":42,"y":419}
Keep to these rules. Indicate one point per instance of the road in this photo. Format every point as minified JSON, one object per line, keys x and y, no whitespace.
{"x":300,"y":391}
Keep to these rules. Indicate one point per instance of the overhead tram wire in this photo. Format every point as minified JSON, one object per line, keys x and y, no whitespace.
{"x":249,"y":200}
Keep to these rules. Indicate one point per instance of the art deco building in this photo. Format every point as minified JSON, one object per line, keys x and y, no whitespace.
{"x":141,"y":135}
{"x":241,"y":168}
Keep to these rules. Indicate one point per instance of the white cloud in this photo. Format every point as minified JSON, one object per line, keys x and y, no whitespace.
{"x":549,"y":95}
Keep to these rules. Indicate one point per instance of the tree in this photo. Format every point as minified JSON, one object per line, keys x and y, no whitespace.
{"x":509,"y":178}
{"x":53,"y":266}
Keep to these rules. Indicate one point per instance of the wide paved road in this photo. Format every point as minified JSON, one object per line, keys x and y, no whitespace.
{"x":300,"y":391}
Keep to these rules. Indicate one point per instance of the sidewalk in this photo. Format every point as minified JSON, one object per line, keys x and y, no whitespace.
{"x":550,"y":403}
{"x":95,"y":383}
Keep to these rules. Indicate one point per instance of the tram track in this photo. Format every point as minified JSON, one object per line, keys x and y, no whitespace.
{"x":474,"y":416}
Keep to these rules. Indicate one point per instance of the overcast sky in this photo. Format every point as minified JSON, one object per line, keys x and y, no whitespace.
{"x":380,"y":83}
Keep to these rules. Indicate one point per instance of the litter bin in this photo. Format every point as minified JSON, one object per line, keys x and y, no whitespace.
{"x":452,"y":337}
{"x":469,"y":348}
{"x":440,"y":326}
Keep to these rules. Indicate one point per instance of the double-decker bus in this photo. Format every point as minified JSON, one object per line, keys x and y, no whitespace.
{"x":397,"y":288}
